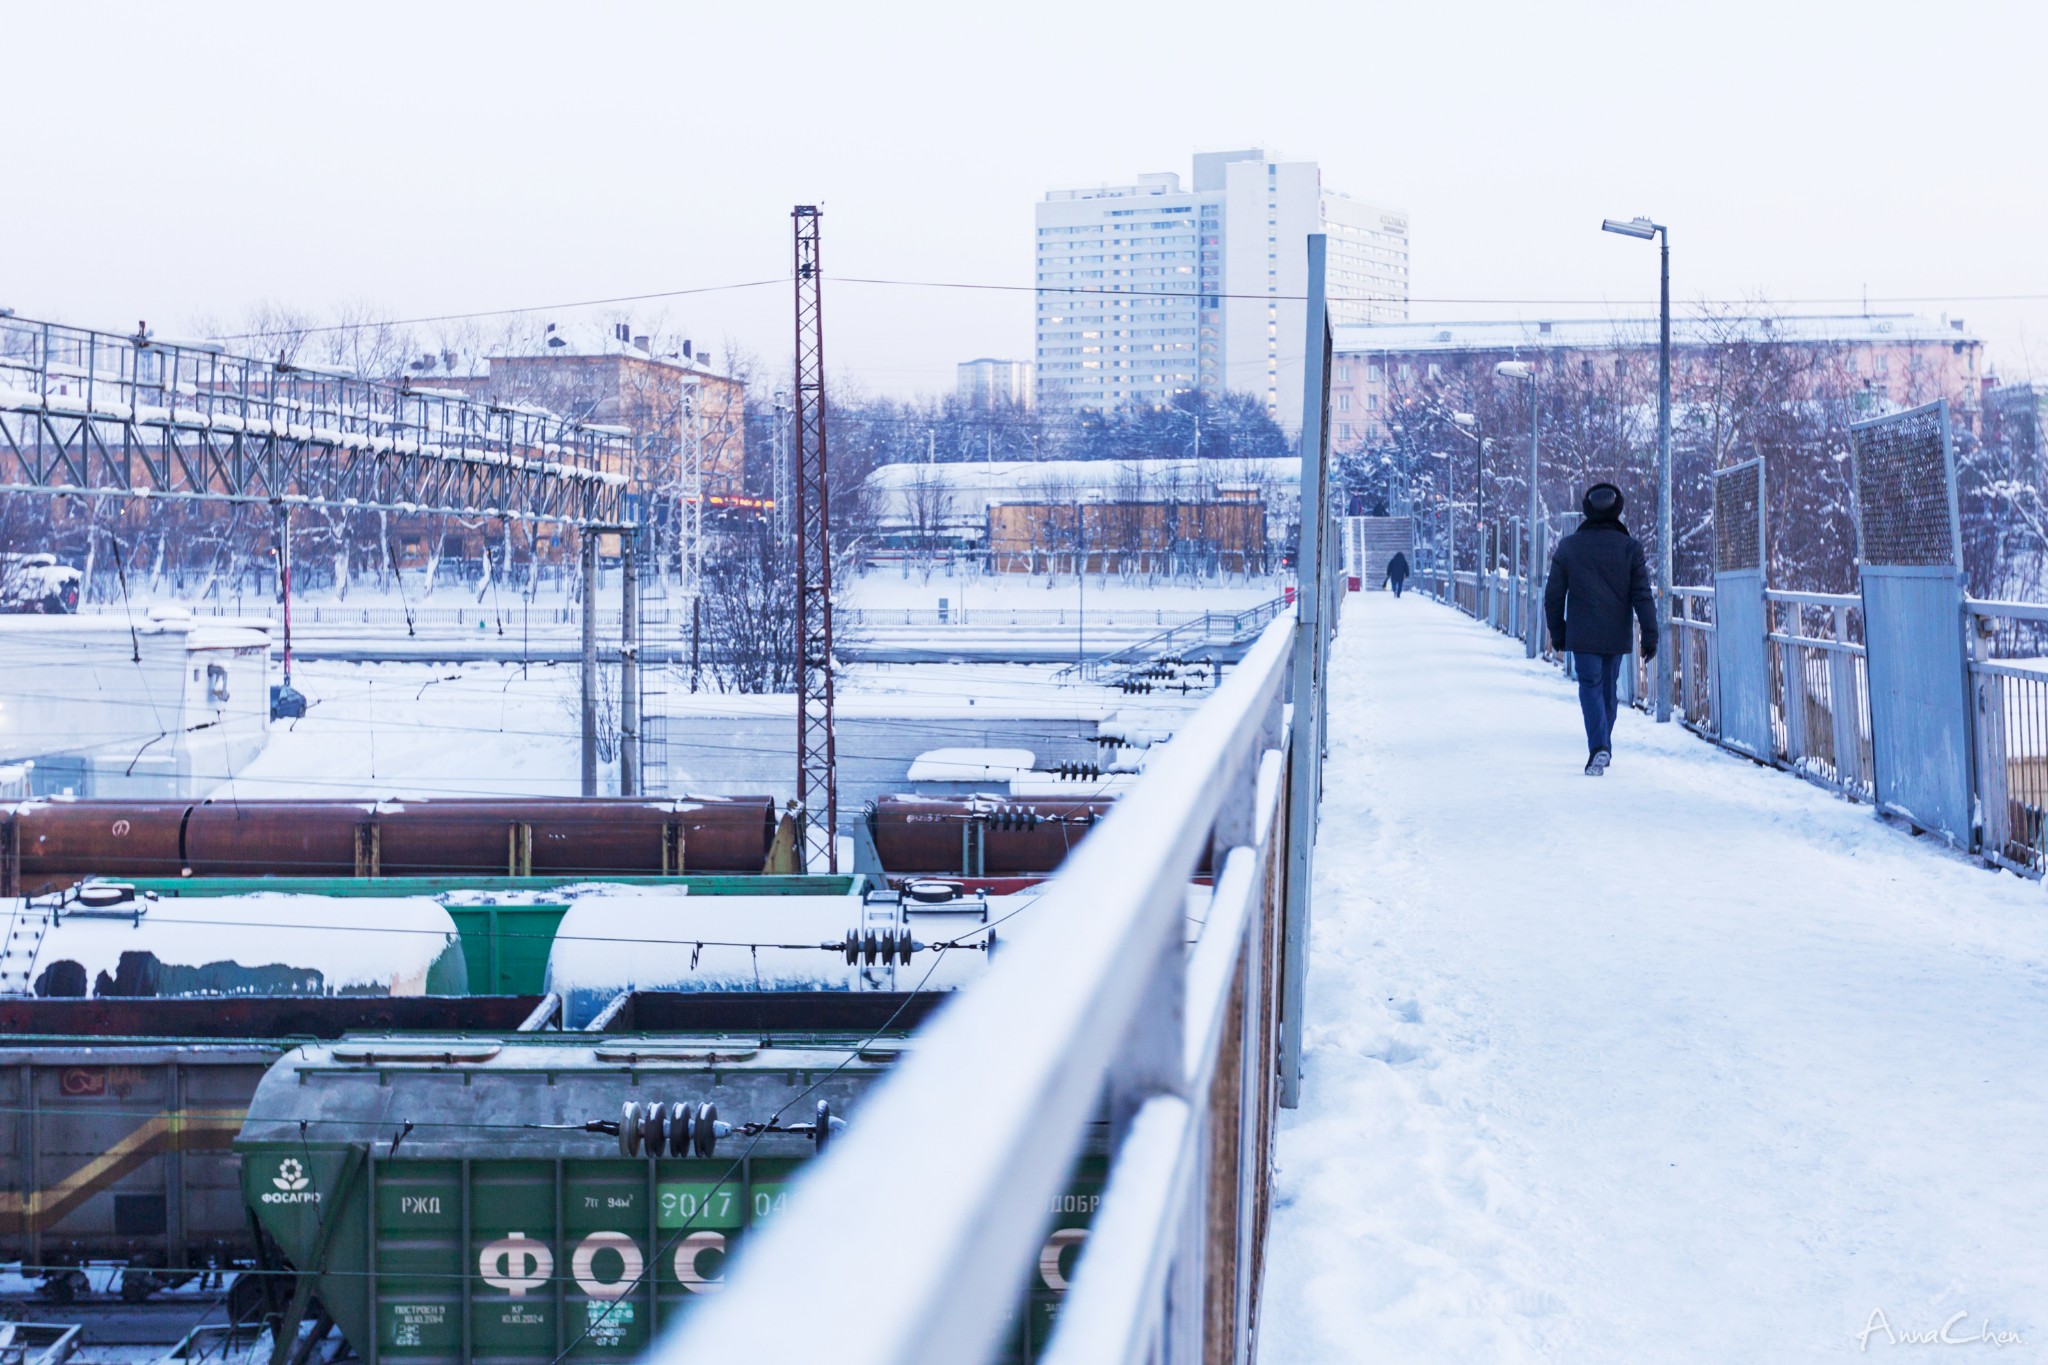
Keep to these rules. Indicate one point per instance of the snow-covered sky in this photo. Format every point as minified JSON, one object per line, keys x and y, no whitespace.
{"x":165,"y":162}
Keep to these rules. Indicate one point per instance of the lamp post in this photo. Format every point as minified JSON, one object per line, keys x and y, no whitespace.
{"x":1644,"y":229}
{"x":1448,"y":568}
{"x":1532,"y":628}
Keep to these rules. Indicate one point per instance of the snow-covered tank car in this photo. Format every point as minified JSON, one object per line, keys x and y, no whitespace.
{"x":110,"y":941}
{"x":615,"y":940}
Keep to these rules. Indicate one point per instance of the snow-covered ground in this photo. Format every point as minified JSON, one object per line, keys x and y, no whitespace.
{"x":1692,"y":1062}
{"x":490,"y":729}
{"x":884,"y":588}
{"x":881,"y":589}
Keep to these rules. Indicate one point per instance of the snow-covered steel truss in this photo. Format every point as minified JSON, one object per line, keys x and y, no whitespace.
{"x":817,"y":778}
{"x":97,"y":414}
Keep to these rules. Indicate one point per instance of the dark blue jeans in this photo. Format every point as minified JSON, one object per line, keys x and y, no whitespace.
{"x":1399,"y":584}
{"x":1598,"y":676}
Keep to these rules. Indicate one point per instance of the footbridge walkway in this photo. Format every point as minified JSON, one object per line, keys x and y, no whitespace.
{"x":1693,"y":1061}
{"x":1447,"y":1052}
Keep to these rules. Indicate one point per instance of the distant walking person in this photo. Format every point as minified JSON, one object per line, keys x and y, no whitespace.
{"x":1597,"y":577}
{"x":1397,"y":571}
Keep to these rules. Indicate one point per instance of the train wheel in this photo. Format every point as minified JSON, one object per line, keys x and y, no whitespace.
{"x":64,"y":1286}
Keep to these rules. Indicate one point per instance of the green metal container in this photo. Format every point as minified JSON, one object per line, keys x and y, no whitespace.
{"x":507,"y":946}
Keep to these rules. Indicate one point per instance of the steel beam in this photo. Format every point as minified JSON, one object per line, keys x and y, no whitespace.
{"x":94,"y":414}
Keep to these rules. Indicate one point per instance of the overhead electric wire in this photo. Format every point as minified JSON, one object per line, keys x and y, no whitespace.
{"x":495,"y":312}
{"x":1193,"y":292}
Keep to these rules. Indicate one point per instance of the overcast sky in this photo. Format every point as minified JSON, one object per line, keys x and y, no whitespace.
{"x":173,"y":161}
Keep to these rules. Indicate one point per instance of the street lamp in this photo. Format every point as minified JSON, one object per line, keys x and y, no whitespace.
{"x":1447,"y":556}
{"x":1644,"y":229}
{"x":1532,"y":627}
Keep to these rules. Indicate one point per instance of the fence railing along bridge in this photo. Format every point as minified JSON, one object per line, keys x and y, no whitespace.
{"x":1147,"y":1022}
{"x":1909,"y":694}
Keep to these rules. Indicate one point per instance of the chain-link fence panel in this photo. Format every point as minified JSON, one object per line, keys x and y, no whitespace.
{"x":1904,"y":509}
{"x":1739,"y":518}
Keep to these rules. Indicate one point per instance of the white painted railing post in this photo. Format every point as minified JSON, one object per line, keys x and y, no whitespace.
{"x":1309,"y":645}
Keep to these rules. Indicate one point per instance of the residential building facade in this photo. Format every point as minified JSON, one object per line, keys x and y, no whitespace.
{"x":1153,"y":289}
{"x":614,"y":377}
{"x":2016,"y":431}
{"x":1895,"y":359}
{"x":984,"y":384}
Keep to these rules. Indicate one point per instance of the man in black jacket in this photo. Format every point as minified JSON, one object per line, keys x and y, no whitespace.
{"x":1397,"y":571}
{"x":1597,"y":577}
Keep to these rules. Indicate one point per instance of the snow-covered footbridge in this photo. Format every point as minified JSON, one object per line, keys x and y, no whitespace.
{"x":1693,"y":1061}
{"x":1696,"y":1060}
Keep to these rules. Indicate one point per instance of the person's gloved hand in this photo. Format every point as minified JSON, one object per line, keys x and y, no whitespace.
{"x":1649,"y":649}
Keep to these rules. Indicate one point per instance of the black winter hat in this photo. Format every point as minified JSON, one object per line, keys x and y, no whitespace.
{"x":1603,"y":502}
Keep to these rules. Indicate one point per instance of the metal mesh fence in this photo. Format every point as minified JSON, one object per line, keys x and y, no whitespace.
{"x":1738,"y":518}
{"x":1902,"y":502}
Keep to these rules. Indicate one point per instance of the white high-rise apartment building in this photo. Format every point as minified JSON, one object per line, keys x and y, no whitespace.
{"x":987,"y":383}
{"x":1153,"y":289}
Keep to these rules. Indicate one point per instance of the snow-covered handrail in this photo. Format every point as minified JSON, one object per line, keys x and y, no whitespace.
{"x":1101,"y":1012}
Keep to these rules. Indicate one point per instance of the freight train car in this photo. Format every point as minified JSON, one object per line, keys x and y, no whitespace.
{"x":588,"y":941}
{"x":116,"y":1115}
{"x":979,"y":836}
{"x":535,"y":1200}
{"x":622,"y":939}
{"x":49,"y":845}
{"x":111,"y":941}
{"x":116,"y":1118}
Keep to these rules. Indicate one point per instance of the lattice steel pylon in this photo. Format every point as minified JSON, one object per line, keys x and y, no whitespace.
{"x":690,"y":498}
{"x":817,"y":776}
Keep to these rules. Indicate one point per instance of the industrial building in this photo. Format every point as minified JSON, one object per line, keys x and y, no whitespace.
{"x":1023,"y":503}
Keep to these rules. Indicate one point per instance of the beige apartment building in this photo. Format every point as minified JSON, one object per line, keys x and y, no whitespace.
{"x":1898,"y":359}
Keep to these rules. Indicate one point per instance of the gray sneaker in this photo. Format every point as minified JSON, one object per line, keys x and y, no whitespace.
{"x":1597,"y":764}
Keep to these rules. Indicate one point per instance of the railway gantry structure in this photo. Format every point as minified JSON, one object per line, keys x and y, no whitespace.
{"x":98,"y":414}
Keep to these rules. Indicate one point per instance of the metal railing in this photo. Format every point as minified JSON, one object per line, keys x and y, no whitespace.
{"x":559,"y":611}
{"x":1100,"y":1019}
{"x":1206,"y":628}
{"x":1822,"y":724}
{"x":1690,"y":639}
{"x":39,"y":1343}
{"x":1820,"y":689}
{"x":2009,"y":698}
{"x":1502,"y":604}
